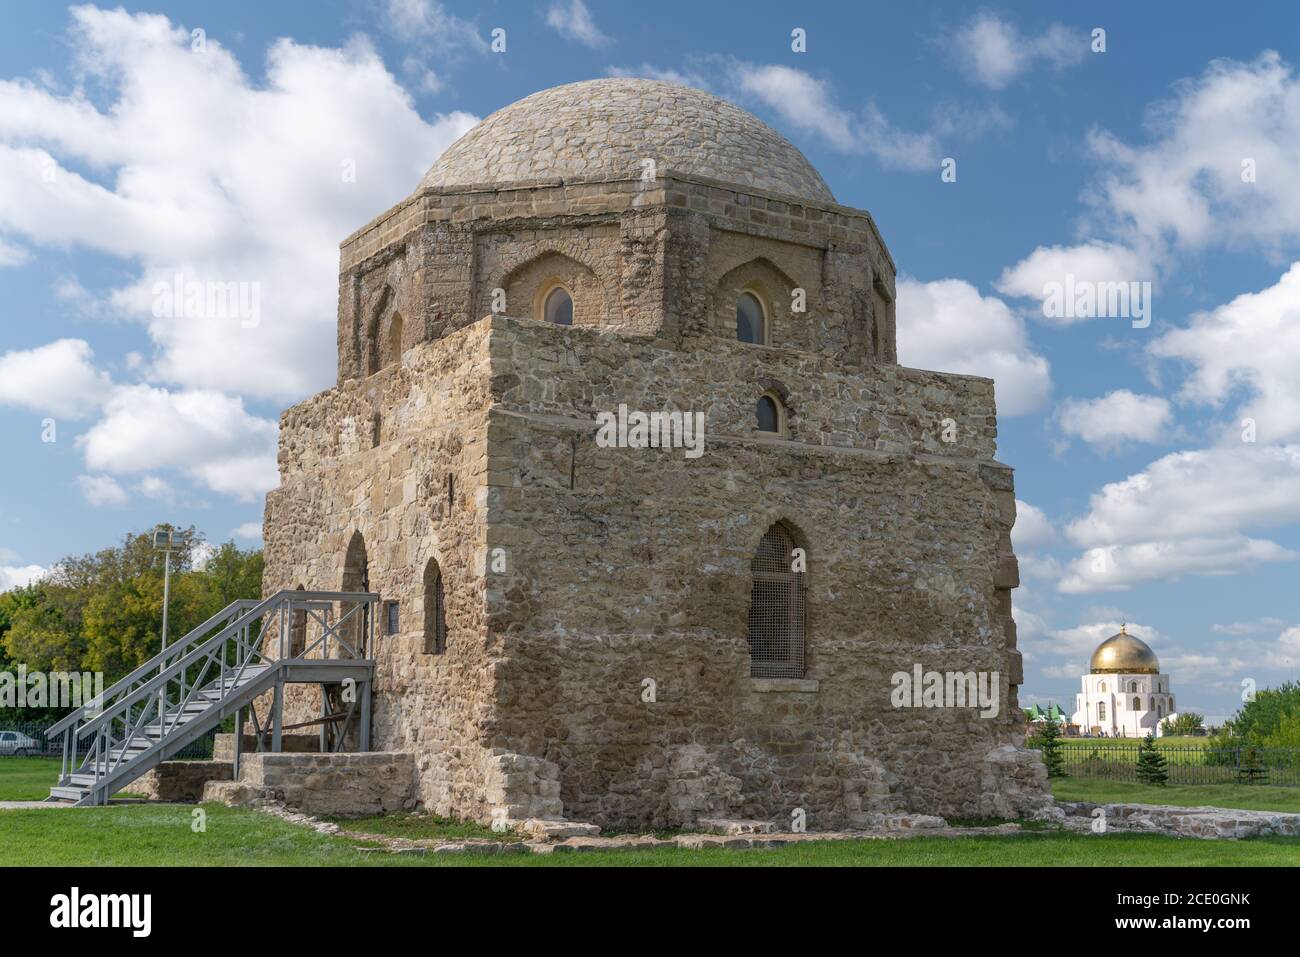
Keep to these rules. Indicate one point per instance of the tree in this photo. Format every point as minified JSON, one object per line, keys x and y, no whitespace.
{"x":1252,"y":770}
{"x":1151,"y":767}
{"x":1270,"y":719}
{"x":1049,"y":742}
{"x":1183,"y":723}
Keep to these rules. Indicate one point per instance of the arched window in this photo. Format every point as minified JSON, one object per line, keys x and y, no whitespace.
{"x":395,"y":341}
{"x":1160,"y":711}
{"x":298,"y":631}
{"x":1101,"y":711}
{"x":557,"y":307}
{"x":356,"y":578}
{"x":751,"y":322}
{"x":1102,"y":687}
{"x":1137,"y":704}
{"x":776,"y":608}
{"x":435,"y":610}
{"x":768,"y":414}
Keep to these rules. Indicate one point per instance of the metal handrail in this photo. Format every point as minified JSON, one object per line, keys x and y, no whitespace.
{"x":108,"y":752}
{"x":170,"y":651}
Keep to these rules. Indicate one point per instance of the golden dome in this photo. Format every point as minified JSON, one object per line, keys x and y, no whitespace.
{"x":1124,"y":654}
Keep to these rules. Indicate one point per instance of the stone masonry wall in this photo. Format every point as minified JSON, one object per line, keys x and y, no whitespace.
{"x":337,"y":481}
{"x":633,"y":564}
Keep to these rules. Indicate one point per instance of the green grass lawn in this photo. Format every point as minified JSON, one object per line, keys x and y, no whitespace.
{"x":417,"y":827}
{"x":1259,"y":797}
{"x":27,"y":779}
{"x":162,"y":835}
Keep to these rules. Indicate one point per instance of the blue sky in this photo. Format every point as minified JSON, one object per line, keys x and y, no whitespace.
{"x":131,"y":150}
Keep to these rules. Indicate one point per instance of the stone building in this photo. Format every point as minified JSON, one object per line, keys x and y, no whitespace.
{"x":1124,"y":694}
{"x":636,"y":635}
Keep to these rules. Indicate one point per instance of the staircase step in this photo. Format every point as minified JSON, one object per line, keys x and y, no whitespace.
{"x":68,"y":793}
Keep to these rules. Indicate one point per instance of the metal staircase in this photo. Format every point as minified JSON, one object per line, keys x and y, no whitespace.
{"x":247,"y":649}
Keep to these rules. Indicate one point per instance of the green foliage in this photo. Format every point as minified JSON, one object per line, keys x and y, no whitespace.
{"x":1049,"y":742}
{"x":1151,"y":763}
{"x":1269,"y":720}
{"x":1252,"y":769}
{"x":1185,"y":723}
{"x":103,"y":611}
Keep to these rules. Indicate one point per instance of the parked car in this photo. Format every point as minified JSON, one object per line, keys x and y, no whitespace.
{"x":15,"y":742}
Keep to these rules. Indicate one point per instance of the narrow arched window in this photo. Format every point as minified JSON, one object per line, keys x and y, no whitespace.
{"x":768,"y":414}
{"x":435,"y":611}
{"x":1102,"y":687}
{"x":558,"y":307}
{"x":395,"y":340}
{"x":298,"y":631}
{"x":751,"y":324}
{"x":1101,"y":711}
{"x":777,"y":614}
{"x":1137,"y":704}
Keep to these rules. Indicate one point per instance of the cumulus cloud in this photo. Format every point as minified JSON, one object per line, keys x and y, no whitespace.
{"x":248,"y":531}
{"x":59,"y":378}
{"x":101,"y":490}
{"x":1186,"y":187}
{"x":1097,"y":263}
{"x":1248,"y":348}
{"x":1188,"y":513}
{"x":17,"y":576}
{"x":202,"y":173}
{"x":431,"y":22}
{"x":1256,"y":627}
{"x":993,"y":51}
{"x":948,"y":326}
{"x":808,"y":104}
{"x":1033,"y":529}
{"x":571,"y":19}
{"x":202,"y":432}
{"x":1116,"y":418}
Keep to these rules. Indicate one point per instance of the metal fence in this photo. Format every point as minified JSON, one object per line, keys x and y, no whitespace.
{"x":1187,"y":765}
{"x":31,"y":740}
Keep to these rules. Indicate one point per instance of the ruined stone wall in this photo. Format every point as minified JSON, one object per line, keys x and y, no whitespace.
{"x":373,"y":456}
{"x":631,"y":564}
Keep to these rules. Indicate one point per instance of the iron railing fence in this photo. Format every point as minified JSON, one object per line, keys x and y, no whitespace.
{"x":1186,"y":765}
{"x":27,"y":739}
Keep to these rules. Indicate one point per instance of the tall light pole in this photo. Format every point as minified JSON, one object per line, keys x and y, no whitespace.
{"x":167,"y":540}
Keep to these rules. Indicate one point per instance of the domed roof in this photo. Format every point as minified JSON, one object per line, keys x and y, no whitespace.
{"x":606,"y":128}
{"x":1124,"y":654}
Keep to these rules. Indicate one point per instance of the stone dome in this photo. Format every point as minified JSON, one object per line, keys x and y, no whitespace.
{"x":1124,"y":654}
{"x":604,"y":128}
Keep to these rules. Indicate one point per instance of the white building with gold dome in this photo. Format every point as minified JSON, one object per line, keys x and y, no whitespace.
{"x":1124,"y":694}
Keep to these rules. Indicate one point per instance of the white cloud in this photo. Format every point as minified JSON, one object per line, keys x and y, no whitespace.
{"x":994,"y":51}
{"x":1090,"y":262}
{"x":201,"y":432}
{"x":101,"y":490}
{"x":1248,"y":627}
{"x":1117,"y":417}
{"x":667,"y":74}
{"x":1248,"y":348}
{"x":17,"y":576}
{"x":151,"y":486}
{"x":572,"y":19}
{"x":1204,"y":493}
{"x":11,"y":255}
{"x":248,"y":531}
{"x":807,"y":104}
{"x":218,"y":179}
{"x":1033,"y":529}
{"x":1185,"y":187}
{"x":949,"y":327}
{"x":59,"y":378}
{"x":432,"y":23}
{"x":1120,"y":567}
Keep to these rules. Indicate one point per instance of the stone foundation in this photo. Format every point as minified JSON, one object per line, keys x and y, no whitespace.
{"x":1201,"y":822}
{"x":335,"y":785}
{"x":181,"y":780}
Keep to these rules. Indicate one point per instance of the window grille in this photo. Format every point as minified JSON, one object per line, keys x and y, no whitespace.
{"x":777,"y":613}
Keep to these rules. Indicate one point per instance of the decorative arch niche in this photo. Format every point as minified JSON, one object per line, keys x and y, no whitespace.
{"x":763,"y":281}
